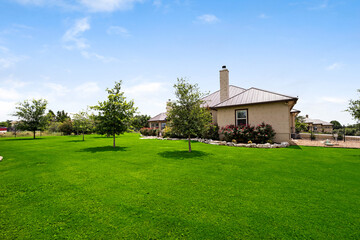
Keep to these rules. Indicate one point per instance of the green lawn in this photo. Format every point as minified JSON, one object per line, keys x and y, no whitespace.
{"x":61,"y":187}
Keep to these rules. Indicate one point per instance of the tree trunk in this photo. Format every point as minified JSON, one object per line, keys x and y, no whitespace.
{"x":34,"y":133}
{"x":83,"y":136}
{"x":189,"y":144}
{"x":114,"y":141}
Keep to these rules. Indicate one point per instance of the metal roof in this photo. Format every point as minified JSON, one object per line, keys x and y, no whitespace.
{"x":214,"y":98}
{"x":159,"y":117}
{"x":253,"y":96}
{"x":317,"y":121}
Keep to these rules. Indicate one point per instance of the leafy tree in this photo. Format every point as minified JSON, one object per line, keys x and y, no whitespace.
{"x":300,"y":125}
{"x":82,"y":122}
{"x":114,"y":115}
{"x":140,"y":121}
{"x":51,"y":116}
{"x":66,"y":127}
{"x":186,"y":116}
{"x":32,"y":114}
{"x":336,"y":124}
{"x":61,"y":116}
{"x":354,"y":108}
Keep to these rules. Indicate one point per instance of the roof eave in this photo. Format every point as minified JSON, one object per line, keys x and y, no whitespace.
{"x":293,"y":99}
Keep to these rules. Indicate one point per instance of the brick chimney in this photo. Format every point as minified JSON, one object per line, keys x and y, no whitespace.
{"x":224,"y":84}
{"x":168,"y":107}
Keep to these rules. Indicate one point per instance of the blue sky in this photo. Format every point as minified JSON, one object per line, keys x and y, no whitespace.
{"x":70,"y":51}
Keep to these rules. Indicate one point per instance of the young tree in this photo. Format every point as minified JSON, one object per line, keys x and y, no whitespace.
{"x":114,"y":115}
{"x":354,"y":108}
{"x":32,"y":114}
{"x":186,"y":115}
{"x":82,"y":122}
{"x":300,"y":125}
{"x":66,"y":127}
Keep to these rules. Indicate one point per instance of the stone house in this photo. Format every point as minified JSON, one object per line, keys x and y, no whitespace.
{"x":317,"y":125}
{"x":239,"y":106}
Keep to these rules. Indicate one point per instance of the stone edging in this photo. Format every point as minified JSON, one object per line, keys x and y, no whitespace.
{"x":224,"y":143}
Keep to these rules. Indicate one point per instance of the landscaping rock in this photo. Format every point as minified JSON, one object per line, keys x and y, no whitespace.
{"x":285,"y":144}
{"x":1,"y":158}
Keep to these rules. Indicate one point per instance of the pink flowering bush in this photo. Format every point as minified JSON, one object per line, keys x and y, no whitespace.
{"x":264,"y":133}
{"x":245,"y":133}
{"x":149,"y":131}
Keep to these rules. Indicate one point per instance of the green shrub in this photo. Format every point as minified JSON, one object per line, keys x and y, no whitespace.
{"x":212,"y":132}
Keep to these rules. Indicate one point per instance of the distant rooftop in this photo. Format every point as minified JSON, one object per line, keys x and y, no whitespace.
{"x":317,"y":121}
{"x":159,"y":117}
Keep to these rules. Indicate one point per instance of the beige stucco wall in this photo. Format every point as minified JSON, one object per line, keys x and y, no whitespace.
{"x":214,"y":116}
{"x":277,"y":114}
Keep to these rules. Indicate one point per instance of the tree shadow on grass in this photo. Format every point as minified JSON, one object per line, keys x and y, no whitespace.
{"x":104,"y":149}
{"x":76,"y":141}
{"x":21,"y":139}
{"x":295,"y":147}
{"x":180,"y":155}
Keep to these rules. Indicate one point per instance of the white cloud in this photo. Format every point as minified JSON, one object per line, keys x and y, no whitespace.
{"x":7,"y":59}
{"x":57,"y":89}
{"x":7,"y":108}
{"x":117,"y":30}
{"x":207,"y":18}
{"x":158,"y":92}
{"x":334,"y":66}
{"x":263,"y":16}
{"x":334,"y":100}
{"x":87,"y":88}
{"x":92,"y":55}
{"x":322,"y":5}
{"x":72,"y":38}
{"x":68,"y":5}
{"x":9,"y":94}
{"x":108,"y":5}
{"x":11,"y":82}
{"x":157,"y":3}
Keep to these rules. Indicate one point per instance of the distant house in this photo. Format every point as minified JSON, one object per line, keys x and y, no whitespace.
{"x":159,"y":121}
{"x":317,"y":125}
{"x":240,"y":106}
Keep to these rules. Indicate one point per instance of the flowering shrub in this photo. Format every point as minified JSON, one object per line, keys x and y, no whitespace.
{"x":264,"y":133}
{"x":245,"y":133}
{"x":149,"y":131}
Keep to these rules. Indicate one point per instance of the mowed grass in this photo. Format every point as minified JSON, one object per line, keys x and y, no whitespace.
{"x":62,"y":187}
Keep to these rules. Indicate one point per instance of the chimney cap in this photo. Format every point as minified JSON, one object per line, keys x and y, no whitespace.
{"x":224,"y":67}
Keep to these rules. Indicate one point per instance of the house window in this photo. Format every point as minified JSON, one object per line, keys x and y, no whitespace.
{"x":315,"y":128}
{"x":241,"y":117}
{"x":163,"y":125}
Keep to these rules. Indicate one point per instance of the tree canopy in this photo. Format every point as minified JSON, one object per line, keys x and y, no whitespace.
{"x":186,"y":116}
{"x":336,"y":124}
{"x":354,"y":108}
{"x":114,"y":115}
{"x":300,"y":125}
{"x":31,"y":114}
{"x":139,"y":121}
{"x":82,"y":122}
